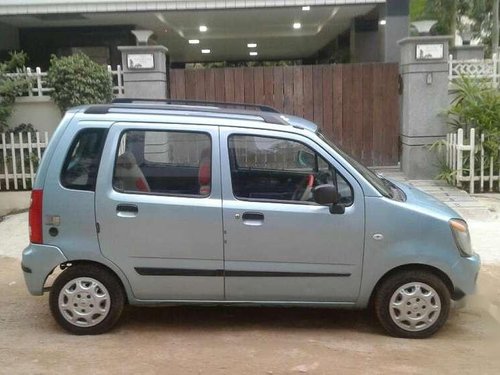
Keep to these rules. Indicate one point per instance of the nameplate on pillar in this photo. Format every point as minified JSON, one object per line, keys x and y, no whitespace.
{"x":428,"y":51}
{"x":140,"y":61}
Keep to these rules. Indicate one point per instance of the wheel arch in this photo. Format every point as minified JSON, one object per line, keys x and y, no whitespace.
{"x":80,"y":262}
{"x":414,"y":267}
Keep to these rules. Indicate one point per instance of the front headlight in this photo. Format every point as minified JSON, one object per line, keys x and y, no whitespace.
{"x":461,"y":235}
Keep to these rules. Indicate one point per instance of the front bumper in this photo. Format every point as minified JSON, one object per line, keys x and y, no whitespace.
{"x":37,"y":263}
{"x":464,"y":275}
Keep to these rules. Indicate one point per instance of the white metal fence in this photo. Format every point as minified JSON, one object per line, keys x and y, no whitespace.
{"x":19,"y":158}
{"x":38,"y":83}
{"x":468,"y":160}
{"x":487,"y":69}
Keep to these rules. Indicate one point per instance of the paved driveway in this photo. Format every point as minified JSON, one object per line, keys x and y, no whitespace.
{"x":223,"y":340}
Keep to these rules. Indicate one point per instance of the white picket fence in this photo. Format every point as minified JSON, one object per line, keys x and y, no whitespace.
{"x":39,"y":87}
{"x":457,"y":151}
{"x":19,"y":157}
{"x":487,"y":69}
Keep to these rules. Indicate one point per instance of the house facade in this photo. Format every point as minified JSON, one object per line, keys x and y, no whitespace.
{"x":194,"y":31}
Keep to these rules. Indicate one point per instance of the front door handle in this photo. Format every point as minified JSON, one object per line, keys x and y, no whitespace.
{"x":253,"y":218}
{"x":127,"y":210}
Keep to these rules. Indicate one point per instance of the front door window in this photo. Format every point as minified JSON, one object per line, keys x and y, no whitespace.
{"x":277,"y":169}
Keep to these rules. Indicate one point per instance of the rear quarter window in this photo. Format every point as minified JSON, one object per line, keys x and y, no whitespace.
{"x":79,"y":171}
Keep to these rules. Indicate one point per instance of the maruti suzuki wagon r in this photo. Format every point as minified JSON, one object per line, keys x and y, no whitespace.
{"x":158,"y":203}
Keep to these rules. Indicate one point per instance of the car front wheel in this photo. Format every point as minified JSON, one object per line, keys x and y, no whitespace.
{"x":412,"y":304}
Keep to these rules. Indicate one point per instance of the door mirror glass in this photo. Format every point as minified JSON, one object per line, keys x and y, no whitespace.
{"x":326,"y":194}
{"x":306,"y":159}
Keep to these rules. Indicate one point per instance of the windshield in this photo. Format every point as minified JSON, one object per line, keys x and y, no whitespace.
{"x":381,"y":185}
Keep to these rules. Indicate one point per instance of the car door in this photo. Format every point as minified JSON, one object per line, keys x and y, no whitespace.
{"x":279,"y":245}
{"x":158,"y":210}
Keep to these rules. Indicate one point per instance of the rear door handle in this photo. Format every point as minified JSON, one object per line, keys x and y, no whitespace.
{"x":253,"y":218}
{"x":127,"y":210}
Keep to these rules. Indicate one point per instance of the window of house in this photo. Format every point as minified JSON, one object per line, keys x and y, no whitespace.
{"x":277,"y":169}
{"x":164,"y":162}
{"x":82,"y":161}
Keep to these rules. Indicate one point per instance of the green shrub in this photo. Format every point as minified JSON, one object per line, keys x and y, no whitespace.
{"x":477,"y":105}
{"x":77,"y":80}
{"x":11,"y":87}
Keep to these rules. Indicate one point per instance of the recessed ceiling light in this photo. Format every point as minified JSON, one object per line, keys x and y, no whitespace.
{"x":194,"y":41}
{"x":306,"y":8}
{"x":203,"y":28}
{"x":382,"y":22}
{"x":252,"y":45}
{"x":253,"y":53}
{"x":205,"y":51}
{"x":297,"y":25}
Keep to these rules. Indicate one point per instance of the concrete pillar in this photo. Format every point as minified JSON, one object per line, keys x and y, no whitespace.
{"x":424,"y":71}
{"x":145,"y":71}
{"x":395,"y":25}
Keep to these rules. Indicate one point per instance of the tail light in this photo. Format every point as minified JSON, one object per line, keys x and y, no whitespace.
{"x":35,"y":216}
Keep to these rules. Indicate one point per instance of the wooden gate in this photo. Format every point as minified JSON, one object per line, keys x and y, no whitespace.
{"x":355,"y":105}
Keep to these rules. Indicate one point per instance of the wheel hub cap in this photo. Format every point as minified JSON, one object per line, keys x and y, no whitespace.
{"x":415,"y":306}
{"x":84,"y":302}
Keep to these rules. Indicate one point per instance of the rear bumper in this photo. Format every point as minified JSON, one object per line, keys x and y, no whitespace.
{"x":37,"y":263}
{"x":464,"y":275}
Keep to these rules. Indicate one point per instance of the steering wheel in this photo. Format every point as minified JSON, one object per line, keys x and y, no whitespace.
{"x":304,"y":188}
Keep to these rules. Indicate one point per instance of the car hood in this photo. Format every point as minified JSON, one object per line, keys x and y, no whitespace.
{"x":421,"y":201}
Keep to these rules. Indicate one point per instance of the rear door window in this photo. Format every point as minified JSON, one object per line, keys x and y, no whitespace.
{"x":164,"y":162}
{"x":81,"y":165}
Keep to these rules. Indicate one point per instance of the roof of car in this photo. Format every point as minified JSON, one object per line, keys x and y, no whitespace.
{"x":203,"y":109}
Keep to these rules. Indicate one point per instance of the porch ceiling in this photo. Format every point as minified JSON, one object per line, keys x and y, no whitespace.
{"x":228,"y":32}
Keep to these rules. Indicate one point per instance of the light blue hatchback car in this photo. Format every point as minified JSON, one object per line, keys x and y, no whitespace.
{"x":156,"y":203}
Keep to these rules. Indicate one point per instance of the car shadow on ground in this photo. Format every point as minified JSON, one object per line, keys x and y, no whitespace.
{"x":231,"y":318}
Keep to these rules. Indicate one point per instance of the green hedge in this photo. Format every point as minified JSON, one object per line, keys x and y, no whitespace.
{"x":77,"y":80}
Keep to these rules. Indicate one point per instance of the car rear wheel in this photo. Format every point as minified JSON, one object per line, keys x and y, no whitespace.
{"x":412,"y":304}
{"x":86,"y":300}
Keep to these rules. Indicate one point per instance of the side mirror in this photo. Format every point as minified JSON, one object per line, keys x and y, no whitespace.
{"x":326,"y":194}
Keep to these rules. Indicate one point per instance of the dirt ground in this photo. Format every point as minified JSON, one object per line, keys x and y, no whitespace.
{"x":230,"y":340}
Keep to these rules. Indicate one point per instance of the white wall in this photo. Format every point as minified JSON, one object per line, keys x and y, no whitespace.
{"x":41,"y":112}
{"x":14,"y":201}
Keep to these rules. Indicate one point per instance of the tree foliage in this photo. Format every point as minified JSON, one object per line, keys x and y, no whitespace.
{"x":77,"y":80}
{"x":475,"y":16}
{"x":11,"y":86}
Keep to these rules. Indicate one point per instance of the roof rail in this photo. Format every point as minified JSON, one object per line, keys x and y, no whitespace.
{"x":268,"y":117}
{"x":258,"y":107}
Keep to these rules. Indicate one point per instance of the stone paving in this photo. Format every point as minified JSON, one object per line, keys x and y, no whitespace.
{"x":468,"y":206}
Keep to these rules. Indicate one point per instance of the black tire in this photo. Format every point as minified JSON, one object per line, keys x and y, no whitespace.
{"x":103,"y":276}
{"x":390,"y":285}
